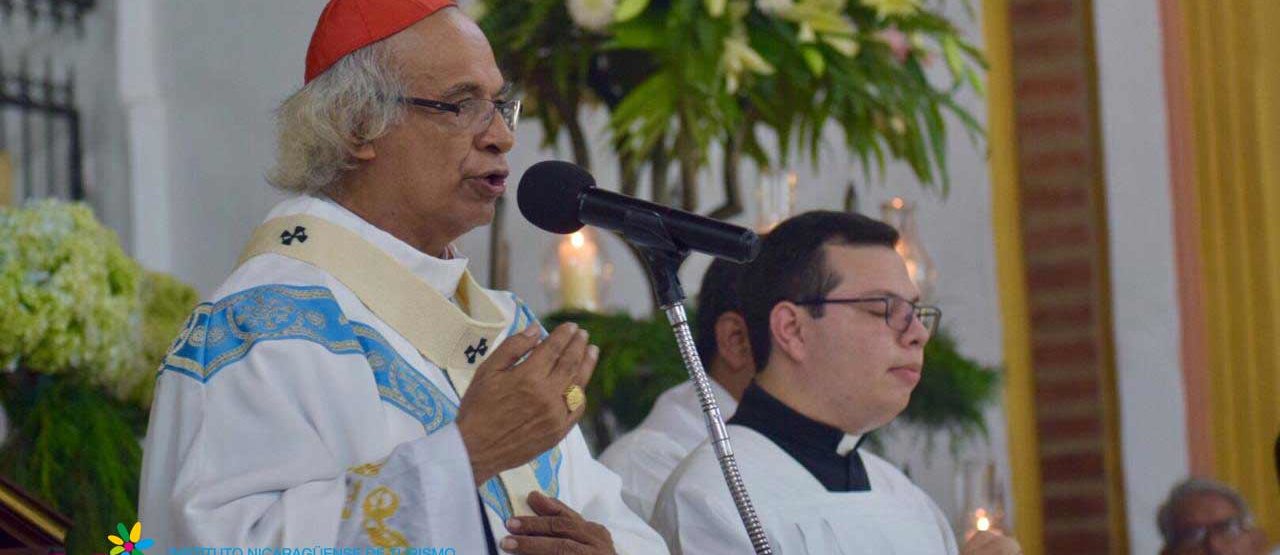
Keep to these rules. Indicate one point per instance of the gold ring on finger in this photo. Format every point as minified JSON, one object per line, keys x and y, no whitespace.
{"x":574,"y":397}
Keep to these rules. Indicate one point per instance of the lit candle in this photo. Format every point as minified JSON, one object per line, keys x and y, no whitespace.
{"x":578,"y":269}
{"x":982,"y":520}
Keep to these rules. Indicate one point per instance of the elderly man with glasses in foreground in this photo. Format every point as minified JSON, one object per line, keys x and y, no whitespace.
{"x":838,"y":335}
{"x":1207,"y":517}
{"x":350,"y":385}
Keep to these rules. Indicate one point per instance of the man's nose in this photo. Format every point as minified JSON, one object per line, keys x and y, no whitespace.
{"x":496,"y":137}
{"x":915,"y":335}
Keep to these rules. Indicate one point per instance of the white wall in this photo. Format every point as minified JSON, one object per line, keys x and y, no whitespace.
{"x":221,"y":68}
{"x":1145,"y":309}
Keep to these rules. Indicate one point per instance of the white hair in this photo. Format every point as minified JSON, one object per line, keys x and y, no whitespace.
{"x":319,"y":127}
{"x":1194,"y":487}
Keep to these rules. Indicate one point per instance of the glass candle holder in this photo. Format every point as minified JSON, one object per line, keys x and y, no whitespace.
{"x":981,"y":498}
{"x":576,"y":272}
{"x":902,"y":216}
{"x":776,"y":196}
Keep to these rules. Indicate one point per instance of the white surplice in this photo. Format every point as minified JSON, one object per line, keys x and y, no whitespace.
{"x":645,"y":456}
{"x":696,"y":515}
{"x":289,"y":415}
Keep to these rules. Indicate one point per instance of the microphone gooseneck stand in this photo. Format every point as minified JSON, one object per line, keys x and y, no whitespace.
{"x":663,"y":259}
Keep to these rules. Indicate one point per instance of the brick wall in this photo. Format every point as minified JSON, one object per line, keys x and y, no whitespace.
{"x":1065,"y":239}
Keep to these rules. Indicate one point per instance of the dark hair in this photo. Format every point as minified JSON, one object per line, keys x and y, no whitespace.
{"x":791,"y":267}
{"x":717,"y":295}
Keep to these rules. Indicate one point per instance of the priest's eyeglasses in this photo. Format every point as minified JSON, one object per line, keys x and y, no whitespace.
{"x":474,"y":114}
{"x":898,"y":312}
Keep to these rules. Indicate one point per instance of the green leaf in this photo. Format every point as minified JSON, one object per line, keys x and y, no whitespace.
{"x":628,"y":37}
{"x":975,"y":81}
{"x":628,"y":9}
{"x":813,"y":59}
{"x":938,"y":141}
{"x":643,"y":115}
{"x":951,"y":51}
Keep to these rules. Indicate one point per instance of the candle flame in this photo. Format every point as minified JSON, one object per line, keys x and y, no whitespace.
{"x":577,"y":239}
{"x":981,"y":522}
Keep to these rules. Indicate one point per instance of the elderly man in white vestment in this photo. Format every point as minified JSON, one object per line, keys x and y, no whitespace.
{"x":837,"y":333}
{"x":350,"y":385}
{"x":645,"y":457}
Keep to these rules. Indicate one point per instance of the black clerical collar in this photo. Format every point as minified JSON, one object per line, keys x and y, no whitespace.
{"x":811,"y":443}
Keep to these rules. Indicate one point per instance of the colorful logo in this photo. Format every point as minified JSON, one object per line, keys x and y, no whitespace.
{"x":129,"y":542}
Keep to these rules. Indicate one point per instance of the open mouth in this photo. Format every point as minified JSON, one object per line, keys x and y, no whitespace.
{"x":492,"y":183}
{"x":496,"y":179}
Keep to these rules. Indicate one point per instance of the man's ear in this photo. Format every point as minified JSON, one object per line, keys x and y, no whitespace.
{"x":364,"y":151}
{"x":785,"y":327}
{"x":732,"y":342}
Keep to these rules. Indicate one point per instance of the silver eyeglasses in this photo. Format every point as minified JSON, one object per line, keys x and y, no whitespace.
{"x":474,"y":114}
{"x":898,"y":312}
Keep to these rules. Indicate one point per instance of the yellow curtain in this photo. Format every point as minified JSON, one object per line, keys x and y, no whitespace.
{"x":1233,"y":61}
{"x":1019,"y":381}
{"x":6,"y":179}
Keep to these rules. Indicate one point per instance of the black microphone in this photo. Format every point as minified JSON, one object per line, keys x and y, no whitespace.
{"x":561,"y":197}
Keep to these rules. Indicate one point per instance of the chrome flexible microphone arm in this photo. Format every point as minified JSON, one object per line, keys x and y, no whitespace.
{"x":663,"y":266}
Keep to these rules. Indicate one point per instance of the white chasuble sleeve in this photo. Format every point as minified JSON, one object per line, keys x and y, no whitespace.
{"x":266,"y":402}
{"x":402,"y":502}
{"x":643,"y":459}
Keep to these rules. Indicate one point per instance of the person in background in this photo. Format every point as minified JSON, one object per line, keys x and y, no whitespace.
{"x":837,"y":332}
{"x":1206,"y":516}
{"x":645,"y":457}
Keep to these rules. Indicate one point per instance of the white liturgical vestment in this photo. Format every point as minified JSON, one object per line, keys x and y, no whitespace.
{"x":287,"y":414}
{"x":875,"y":509}
{"x":645,"y":456}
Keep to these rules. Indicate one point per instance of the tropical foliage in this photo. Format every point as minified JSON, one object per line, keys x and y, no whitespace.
{"x":677,"y":76}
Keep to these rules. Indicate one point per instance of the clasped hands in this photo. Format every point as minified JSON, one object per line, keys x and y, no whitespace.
{"x":515,"y":409}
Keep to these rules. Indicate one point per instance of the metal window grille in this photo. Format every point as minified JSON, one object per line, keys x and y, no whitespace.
{"x":40,"y":122}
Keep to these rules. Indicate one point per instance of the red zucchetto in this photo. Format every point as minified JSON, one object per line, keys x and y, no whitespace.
{"x":349,"y":25}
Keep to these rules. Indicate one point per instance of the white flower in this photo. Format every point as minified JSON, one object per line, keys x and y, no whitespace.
{"x":68,"y":293}
{"x":819,"y":17}
{"x":775,"y":7}
{"x":739,"y":57}
{"x":592,"y":15}
{"x":846,"y":46}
